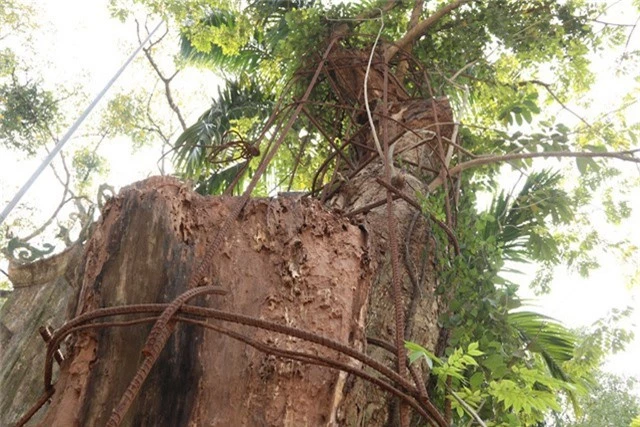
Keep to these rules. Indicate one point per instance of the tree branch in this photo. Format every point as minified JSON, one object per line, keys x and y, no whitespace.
{"x":343,"y":29}
{"x":547,"y":86}
{"x":627,"y":156}
{"x":633,"y":28}
{"x":421,"y":28}
{"x":165,"y":80}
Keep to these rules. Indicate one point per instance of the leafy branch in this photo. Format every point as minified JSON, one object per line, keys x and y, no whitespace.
{"x":626,"y":155}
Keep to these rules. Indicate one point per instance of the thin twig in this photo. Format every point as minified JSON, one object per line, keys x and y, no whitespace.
{"x":165,"y":80}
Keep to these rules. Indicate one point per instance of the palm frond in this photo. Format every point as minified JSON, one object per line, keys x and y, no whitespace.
{"x":522,"y":222}
{"x":214,"y":129}
{"x":217,"y":182}
{"x":547,"y":337}
{"x":556,"y":345}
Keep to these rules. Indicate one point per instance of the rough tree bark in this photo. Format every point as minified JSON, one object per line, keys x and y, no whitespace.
{"x":289,"y":260}
{"x":42,"y":294}
{"x":417,"y":130}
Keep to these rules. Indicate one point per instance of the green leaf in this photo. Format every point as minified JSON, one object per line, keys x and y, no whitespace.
{"x":585,"y":164}
{"x":476,"y":380}
{"x":473,"y":349}
{"x":532,"y":106}
{"x":518,"y":117}
{"x":495,"y":364}
{"x":417,"y":352}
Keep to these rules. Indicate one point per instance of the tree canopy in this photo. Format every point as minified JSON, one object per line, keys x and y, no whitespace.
{"x":518,"y":75}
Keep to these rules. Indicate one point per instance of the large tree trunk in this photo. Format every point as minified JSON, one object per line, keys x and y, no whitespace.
{"x":418,"y":132}
{"x":286,"y":260}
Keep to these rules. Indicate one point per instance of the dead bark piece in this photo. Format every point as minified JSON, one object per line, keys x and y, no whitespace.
{"x":287,"y":260}
{"x":42,"y":292}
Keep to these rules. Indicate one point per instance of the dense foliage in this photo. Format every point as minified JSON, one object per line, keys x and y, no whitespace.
{"x":508,"y":67}
{"x":611,"y":402}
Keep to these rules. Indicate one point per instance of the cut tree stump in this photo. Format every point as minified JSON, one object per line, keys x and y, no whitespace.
{"x":286,"y":260}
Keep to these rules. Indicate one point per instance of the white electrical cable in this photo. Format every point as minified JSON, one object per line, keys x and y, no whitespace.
{"x":12,"y":204}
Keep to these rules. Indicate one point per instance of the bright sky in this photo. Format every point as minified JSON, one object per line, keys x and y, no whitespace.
{"x":577,"y":301}
{"x":80,"y":43}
